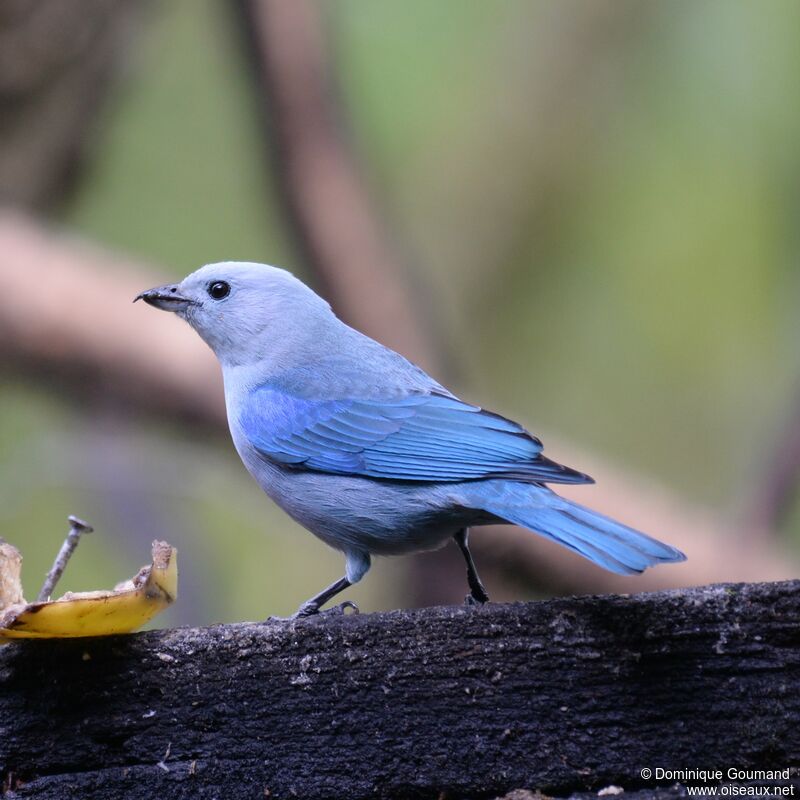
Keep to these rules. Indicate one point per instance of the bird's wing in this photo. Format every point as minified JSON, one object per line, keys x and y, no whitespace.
{"x":418,"y":437}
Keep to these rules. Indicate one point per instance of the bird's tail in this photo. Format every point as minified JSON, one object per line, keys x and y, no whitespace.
{"x":612,"y":545}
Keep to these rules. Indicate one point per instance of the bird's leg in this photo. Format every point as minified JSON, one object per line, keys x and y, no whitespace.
{"x":312,"y":606}
{"x":477,"y":593}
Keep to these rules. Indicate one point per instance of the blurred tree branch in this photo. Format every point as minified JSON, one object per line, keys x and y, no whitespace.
{"x":779,"y":483}
{"x":66,"y":311}
{"x":58,"y":60}
{"x":322,"y":186}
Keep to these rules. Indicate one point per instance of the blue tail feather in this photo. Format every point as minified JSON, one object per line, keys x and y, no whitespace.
{"x":606,"y":542}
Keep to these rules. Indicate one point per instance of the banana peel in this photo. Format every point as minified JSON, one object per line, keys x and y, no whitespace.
{"x":121,"y":610}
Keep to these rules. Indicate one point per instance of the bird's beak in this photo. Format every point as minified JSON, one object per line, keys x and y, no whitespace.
{"x":167,"y":298}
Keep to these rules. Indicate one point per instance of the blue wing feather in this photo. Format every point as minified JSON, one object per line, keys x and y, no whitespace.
{"x":417,"y":437}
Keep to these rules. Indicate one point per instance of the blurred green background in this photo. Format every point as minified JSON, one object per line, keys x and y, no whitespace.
{"x":611,"y":247}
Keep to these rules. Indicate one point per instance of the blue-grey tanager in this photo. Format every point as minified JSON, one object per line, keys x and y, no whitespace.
{"x":366,"y":450}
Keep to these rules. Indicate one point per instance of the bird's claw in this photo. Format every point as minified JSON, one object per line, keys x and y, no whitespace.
{"x":343,"y":607}
{"x":312,"y":610}
{"x":472,"y":600}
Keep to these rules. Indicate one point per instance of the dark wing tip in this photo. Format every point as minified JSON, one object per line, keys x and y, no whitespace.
{"x":562,"y":474}
{"x":676,"y":556}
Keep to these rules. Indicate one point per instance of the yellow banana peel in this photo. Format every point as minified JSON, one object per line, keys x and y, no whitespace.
{"x":121,"y":610}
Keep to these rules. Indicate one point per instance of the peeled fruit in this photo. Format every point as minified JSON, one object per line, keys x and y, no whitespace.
{"x":121,"y":610}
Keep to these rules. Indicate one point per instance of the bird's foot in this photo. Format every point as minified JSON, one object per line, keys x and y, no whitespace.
{"x":476,"y":599}
{"x":310,"y":609}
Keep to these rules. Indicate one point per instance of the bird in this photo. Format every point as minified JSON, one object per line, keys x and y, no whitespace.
{"x":365,"y":449}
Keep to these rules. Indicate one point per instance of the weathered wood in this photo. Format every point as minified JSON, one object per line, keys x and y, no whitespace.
{"x":562,"y":696}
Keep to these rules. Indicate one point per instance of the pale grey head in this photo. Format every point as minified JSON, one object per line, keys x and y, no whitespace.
{"x":243,"y":310}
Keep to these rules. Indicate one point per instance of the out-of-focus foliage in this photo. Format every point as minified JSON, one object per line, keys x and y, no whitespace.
{"x":602,"y":198}
{"x":179,"y":176}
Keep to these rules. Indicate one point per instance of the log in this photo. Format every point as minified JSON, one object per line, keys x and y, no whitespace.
{"x":565,"y":697}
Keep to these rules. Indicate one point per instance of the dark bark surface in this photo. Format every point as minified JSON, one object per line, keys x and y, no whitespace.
{"x":565,"y":696}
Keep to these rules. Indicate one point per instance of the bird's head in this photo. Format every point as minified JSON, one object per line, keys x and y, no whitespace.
{"x":243,"y":310}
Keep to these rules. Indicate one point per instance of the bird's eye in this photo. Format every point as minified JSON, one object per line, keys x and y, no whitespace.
{"x":219,"y":289}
